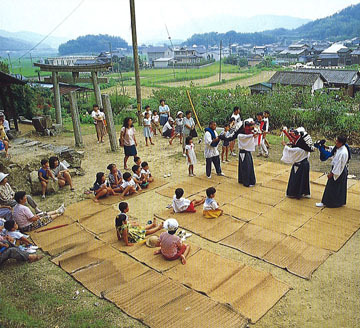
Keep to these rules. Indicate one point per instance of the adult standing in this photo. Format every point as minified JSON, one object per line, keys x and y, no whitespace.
{"x":98,"y":117}
{"x":188,"y":125}
{"x":246,"y":142}
{"x":164,"y":112}
{"x":128,"y":140}
{"x":336,"y":186}
{"x":4,"y":140}
{"x":7,"y":198}
{"x":299,"y":180}
{"x":211,"y":141}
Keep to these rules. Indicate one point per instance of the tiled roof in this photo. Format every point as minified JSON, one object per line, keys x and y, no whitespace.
{"x":295,"y":78}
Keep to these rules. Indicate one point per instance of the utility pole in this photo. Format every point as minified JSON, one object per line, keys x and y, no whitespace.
{"x":136,"y":59}
{"x":220,"y":62}
{"x":10,"y":63}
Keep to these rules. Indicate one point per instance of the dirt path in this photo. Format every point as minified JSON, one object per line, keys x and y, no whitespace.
{"x":264,"y":76}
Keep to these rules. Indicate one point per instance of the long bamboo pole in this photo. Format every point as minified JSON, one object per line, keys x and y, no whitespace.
{"x":193,"y":109}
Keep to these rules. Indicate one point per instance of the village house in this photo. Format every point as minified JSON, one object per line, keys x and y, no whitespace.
{"x":260,"y":50}
{"x":185,"y":55}
{"x":355,"y":57}
{"x":255,"y":60}
{"x":296,"y":53}
{"x":336,"y":55}
{"x":337,"y":78}
{"x":298,"y":79}
{"x":68,"y":60}
{"x":163,"y":62}
{"x":154,"y":53}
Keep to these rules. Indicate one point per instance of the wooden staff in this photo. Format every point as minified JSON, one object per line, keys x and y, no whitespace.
{"x":53,"y":228}
{"x":193,"y":109}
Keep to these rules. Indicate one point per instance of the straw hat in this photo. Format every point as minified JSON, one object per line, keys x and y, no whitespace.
{"x":3,"y":176}
{"x":152,"y":241}
{"x":171,"y":225}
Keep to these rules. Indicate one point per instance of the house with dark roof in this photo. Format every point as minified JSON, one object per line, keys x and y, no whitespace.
{"x":185,"y":55}
{"x":154,"y":53}
{"x":260,"y":88}
{"x":355,"y":57}
{"x":298,"y":79}
{"x":335,"y":55}
{"x":336,"y":78}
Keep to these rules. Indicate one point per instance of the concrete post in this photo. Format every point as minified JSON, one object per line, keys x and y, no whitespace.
{"x":55,"y":79}
{"x":96,"y":89}
{"x":75,"y":119}
{"x":110,"y":122}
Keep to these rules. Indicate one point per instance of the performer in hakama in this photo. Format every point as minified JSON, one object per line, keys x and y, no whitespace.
{"x":246,"y":142}
{"x":336,"y":186}
{"x":297,"y":153}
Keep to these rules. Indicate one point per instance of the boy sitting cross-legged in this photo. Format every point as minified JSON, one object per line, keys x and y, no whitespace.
{"x":171,"y":246}
{"x":180,"y":204}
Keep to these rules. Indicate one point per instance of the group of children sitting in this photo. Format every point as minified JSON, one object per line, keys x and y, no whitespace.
{"x":122,"y":184}
{"x":9,"y":230}
{"x":210,"y":208}
{"x":53,"y":169}
{"x":171,"y":245}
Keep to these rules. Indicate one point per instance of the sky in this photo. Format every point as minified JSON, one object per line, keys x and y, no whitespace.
{"x":113,"y":16}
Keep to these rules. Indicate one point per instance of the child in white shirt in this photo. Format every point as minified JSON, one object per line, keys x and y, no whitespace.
{"x":129,"y":185}
{"x":145,"y":172}
{"x":190,"y":155}
{"x":138,"y":178}
{"x":180,"y":204}
{"x":155,"y":122}
{"x":11,"y":230}
{"x":211,"y":208}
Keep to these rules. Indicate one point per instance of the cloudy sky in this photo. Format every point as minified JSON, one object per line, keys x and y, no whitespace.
{"x":112,"y":16}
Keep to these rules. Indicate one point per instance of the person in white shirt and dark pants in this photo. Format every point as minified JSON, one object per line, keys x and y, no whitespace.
{"x":211,"y":141}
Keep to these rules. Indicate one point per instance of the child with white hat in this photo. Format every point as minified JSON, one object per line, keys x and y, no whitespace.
{"x":171,"y":246}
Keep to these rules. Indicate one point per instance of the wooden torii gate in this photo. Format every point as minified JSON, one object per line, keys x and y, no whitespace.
{"x":101,"y":100}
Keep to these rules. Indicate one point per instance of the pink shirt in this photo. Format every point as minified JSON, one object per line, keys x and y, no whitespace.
{"x":22,"y":215}
{"x":170,"y":244}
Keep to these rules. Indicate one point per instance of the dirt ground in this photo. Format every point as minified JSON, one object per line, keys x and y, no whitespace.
{"x":329,"y":299}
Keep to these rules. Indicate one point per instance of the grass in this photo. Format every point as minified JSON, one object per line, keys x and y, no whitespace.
{"x":40,"y":295}
{"x":24,"y":67}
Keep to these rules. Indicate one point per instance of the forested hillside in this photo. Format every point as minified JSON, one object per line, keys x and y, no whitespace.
{"x":91,"y":44}
{"x":342,"y":25}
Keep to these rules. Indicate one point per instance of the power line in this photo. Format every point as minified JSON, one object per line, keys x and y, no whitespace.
{"x":54,"y":29}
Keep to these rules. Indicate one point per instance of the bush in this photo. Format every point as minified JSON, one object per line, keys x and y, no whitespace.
{"x":328,"y":114}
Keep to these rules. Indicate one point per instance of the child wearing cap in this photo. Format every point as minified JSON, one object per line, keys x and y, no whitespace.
{"x":131,"y":232}
{"x":211,"y":207}
{"x":180,"y":204}
{"x":171,"y":246}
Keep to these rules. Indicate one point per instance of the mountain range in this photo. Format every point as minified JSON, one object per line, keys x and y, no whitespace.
{"x":342,"y":25}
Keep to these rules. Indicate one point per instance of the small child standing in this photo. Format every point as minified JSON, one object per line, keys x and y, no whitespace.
{"x":101,"y":188}
{"x":45,"y":174}
{"x":131,"y":232}
{"x":147,"y":128}
{"x":266,"y":127}
{"x":180,"y":204}
{"x":171,"y":246}
{"x":155,"y":122}
{"x":190,"y":155}
{"x":146,"y":172}
{"x":179,"y":125}
{"x":211,"y":207}
{"x":225,"y":145}
{"x":138,"y":178}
